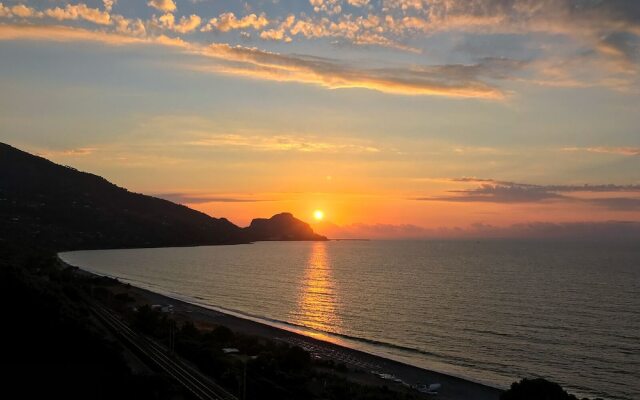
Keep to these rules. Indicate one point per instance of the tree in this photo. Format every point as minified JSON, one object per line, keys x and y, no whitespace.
{"x":536,"y":389}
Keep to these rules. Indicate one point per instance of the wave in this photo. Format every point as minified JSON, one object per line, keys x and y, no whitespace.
{"x":352,"y":342}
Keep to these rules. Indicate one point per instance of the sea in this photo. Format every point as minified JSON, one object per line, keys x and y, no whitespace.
{"x":491,"y":311}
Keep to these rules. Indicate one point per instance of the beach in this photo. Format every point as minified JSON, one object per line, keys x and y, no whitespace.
{"x":458,"y":308}
{"x":362,"y":367}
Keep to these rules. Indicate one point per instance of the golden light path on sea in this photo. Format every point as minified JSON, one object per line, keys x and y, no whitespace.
{"x":318,"y":296}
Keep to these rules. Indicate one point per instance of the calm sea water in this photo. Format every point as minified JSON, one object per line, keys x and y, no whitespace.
{"x":490,"y":311}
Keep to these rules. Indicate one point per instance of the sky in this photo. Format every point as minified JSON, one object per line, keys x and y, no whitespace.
{"x":397,"y":118}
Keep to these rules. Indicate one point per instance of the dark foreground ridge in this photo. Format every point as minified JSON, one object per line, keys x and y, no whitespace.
{"x":70,"y":210}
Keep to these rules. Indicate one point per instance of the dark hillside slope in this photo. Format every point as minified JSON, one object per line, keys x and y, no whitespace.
{"x":68,"y":209}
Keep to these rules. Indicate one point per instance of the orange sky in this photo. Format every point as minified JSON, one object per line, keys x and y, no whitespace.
{"x":397,"y":119}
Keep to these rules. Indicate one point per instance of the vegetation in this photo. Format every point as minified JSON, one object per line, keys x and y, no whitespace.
{"x":536,"y":389}
{"x":273,"y":370}
{"x":52,"y":347}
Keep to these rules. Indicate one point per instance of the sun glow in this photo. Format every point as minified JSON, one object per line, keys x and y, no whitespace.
{"x":318,"y":215}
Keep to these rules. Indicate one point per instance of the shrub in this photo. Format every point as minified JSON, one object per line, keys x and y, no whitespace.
{"x":536,"y":389}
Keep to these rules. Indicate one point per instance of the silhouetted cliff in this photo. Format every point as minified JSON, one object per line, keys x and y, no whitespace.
{"x":282,"y":226}
{"x":41,"y":201}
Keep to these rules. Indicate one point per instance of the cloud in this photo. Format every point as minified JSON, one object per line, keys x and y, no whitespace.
{"x":499,"y":192}
{"x":280,"y":33}
{"x":605,"y":35}
{"x":228,"y":21}
{"x":79,"y":11}
{"x":19,"y":11}
{"x":326,"y":6}
{"x":358,"y":3}
{"x":493,"y":191}
{"x":605,"y":52}
{"x":623,"y":151}
{"x":552,"y":188}
{"x":22,"y":11}
{"x":600,"y":231}
{"x":108,"y":4}
{"x":188,"y":24}
{"x":66,"y":34}
{"x":162,"y":5}
{"x":77,"y":152}
{"x":618,"y":203}
{"x":457,"y":80}
{"x":275,"y":34}
{"x":302,"y":144}
{"x":128,"y":26}
{"x":359,"y":30}
{"x":194,"y":198}
{"x":184,"y":25}
{"x":467,"y":81}
{"x":372,"y":231}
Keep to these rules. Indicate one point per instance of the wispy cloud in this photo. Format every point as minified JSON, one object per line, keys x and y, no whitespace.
{"x":467,"y":81}
{"x":198,"y":198}
{"x":58,"y":33}
{"x":494,"y":191}
{"x":623,"y":151}
{"x":305,"y":144}
{"x":601,"y":231}
{"x":464,"y":81}
{"x":77,"y":152}
{"x":499,"y":193}
{"x":618,"y":203}
{"x":599,"y":188}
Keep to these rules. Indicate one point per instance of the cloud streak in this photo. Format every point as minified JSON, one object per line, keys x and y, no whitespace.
{"x":465,"y":81}
{"x":196,"y":198}
{"x":462,"y":81}
{"x":283,"y":143}
{"x":77,"y":152}
{"x":504,"y":192}
{"x":622,"y":151}
{"x":600,"y":231}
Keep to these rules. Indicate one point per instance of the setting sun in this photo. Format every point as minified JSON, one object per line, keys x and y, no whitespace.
{"x":318,"y":215}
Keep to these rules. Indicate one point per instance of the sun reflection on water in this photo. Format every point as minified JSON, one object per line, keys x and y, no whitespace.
{"x":317,"y":298}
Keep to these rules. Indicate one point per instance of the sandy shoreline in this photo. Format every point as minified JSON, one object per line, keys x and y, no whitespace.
{"x":453,"y":388}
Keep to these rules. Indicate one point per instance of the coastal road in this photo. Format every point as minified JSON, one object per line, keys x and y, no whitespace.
{"x":192,"y":380}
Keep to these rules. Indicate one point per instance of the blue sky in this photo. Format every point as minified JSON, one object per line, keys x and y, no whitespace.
{"x":304,"y":104}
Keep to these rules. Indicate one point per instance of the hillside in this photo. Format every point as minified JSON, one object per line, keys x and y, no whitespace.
{"x":44,"y":202}
{"x":282,"y":226}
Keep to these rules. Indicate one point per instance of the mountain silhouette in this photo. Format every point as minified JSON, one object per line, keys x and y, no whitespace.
{"x":69,"y":209}
{"x":282,"y":226}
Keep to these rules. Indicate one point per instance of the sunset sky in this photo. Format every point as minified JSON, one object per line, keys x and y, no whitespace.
{"x":395,"y":117}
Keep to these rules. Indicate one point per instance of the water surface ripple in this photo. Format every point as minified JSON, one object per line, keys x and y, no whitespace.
{"x":490,"y":311}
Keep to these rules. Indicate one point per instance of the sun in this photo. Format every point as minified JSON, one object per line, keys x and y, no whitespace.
{"x":318,"y":215}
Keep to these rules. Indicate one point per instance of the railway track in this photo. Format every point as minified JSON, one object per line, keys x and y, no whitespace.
{"x":192,"y":380}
